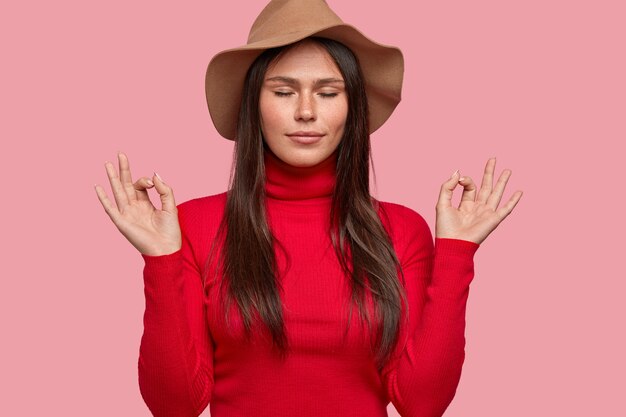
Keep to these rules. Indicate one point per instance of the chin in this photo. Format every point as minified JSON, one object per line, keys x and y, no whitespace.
{"x":301,"y":158}
{"x":307,"y":159}
{"x":303,"y":162}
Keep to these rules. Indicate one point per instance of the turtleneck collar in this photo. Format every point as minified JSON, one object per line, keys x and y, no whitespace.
{"x":286,"y":182}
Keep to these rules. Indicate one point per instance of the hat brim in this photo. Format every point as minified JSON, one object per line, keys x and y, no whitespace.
{"x":382,"y":66}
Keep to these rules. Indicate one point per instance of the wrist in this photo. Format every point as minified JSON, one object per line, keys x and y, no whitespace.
{"x":449,"y":245}
{"x":161,"y":251}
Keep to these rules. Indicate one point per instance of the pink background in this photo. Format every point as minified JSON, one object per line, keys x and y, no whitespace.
{"x":539,"y":84}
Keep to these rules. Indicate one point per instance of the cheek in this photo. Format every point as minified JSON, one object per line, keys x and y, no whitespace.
{"x":339,"y":116}
{"x":262,"y":110}
{"x":269,"y":114}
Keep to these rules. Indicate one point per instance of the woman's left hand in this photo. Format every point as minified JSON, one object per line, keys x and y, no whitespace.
{"x":477,"y":215}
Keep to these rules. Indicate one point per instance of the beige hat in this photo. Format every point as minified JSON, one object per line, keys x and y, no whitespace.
{"x":283,"y":22}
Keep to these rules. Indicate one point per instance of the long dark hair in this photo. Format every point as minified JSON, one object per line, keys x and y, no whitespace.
{"x":248,"y":263}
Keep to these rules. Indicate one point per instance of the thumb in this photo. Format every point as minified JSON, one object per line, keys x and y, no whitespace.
{"x":447,"y":188}
{"x":165,"y":193}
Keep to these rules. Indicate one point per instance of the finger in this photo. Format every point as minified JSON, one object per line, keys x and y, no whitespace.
{"x":141,"y":188}
{"x":469,"y":191}
{"x":125,"y":177}
{"x":166,"y":193}
{"x":487,"y":183}
{"x":447,"y":189}
{"x":118,"y":190}
{"x":510,"y":205}
{"x":109,"y":207}
{"x":498,"y":191}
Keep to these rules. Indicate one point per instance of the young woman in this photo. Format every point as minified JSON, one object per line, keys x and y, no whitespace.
{"x":250,"y":293}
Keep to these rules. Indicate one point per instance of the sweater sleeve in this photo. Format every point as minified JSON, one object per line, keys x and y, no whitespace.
{"x":176,"y":354}
{"x":422,"y":378}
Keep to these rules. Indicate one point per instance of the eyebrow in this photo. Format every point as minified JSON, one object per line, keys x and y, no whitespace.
{"x":293,"y":81}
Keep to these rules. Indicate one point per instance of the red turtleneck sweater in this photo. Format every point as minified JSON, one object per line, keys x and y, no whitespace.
{"x":188,"y":359}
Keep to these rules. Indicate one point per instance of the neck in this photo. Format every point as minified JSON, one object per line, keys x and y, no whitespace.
{"x":288,"y":182}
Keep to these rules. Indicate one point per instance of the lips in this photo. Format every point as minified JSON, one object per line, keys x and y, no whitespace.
{"x":305,"y":137}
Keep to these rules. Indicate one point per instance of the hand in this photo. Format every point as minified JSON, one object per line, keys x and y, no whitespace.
{"x":153,"y":232}
{"x":476,"y":217}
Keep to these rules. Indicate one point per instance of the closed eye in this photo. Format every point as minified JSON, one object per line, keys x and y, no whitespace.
{"x":286,"y":94}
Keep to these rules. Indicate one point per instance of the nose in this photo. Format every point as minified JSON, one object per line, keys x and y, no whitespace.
{"x":306,"y":108}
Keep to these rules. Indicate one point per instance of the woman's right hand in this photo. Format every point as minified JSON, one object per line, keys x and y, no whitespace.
{"x":153,"y":232}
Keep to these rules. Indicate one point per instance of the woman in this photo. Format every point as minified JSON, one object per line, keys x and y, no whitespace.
{"x":250,"y":293}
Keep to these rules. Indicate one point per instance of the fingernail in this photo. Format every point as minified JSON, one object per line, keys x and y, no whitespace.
{"x":461,"y":179}
{"x":158,"y":176}
{"x":150,"y":182}
{"x":454,"y":173}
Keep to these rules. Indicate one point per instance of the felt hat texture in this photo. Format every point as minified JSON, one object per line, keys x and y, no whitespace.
{"x":283,"y":22}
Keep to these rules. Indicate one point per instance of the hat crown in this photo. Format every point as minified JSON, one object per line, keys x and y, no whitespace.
{"x":281,"y":17}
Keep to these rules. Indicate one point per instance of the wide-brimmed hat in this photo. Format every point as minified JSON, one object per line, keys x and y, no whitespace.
{"x":283,"y":22}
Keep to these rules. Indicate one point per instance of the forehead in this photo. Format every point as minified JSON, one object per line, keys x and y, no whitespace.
{"x":306,"y":59}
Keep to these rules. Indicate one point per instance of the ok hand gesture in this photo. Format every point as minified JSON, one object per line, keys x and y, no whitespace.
{"x":153,"y":232}
{"x":477,"y":216}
